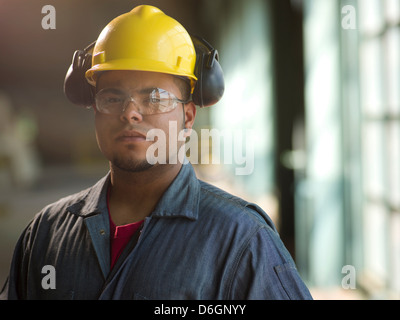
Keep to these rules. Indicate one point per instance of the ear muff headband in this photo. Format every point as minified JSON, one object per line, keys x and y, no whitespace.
{"x":208,"y":90}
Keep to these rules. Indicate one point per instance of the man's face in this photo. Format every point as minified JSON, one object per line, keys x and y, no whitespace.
{"x":122,"y":138}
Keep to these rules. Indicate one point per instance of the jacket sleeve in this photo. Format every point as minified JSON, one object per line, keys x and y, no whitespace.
{"x":266,"y":271}
{"x":15,"y":287}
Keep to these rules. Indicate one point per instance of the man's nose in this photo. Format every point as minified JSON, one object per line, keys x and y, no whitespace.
{"x":131,"y":113}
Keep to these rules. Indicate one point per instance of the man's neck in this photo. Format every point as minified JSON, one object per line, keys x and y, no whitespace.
{"x":134,"y":195}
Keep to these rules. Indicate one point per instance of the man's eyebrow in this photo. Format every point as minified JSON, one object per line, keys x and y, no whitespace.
{"x":149,"y":90}
{"x":146,"y":90}
{"x":112,"y":90}
{"x":143,"y":91}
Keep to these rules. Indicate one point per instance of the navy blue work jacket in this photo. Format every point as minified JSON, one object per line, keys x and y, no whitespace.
{"x":199,"y":243}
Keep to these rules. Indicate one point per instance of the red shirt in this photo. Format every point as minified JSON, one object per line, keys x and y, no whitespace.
{"x":120,"y":235}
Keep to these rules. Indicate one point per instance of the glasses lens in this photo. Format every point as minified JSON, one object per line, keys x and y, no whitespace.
{"x":110,"y":101}
{"x":157,"y":101}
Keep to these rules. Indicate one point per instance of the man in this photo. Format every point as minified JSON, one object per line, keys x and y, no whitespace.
{"x":149,"y":230}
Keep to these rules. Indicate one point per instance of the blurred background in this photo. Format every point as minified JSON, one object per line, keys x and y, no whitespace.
{"x":317,"y":82}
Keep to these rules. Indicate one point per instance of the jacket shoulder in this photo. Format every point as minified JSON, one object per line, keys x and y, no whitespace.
{"x":64,"y":203}
{"x":78,"y":204}
{"x":216,"y":199}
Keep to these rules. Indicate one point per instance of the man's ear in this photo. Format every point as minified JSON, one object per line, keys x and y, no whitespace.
{"x":190,"y":115}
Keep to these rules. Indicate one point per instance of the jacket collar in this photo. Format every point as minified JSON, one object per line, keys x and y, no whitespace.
{"x":181,"y":199}
{"x":93,"y":200}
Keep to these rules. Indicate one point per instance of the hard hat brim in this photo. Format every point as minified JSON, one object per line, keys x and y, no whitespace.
{"x":135,"y":65}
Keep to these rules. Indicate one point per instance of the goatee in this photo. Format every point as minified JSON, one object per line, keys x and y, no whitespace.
{"x":131,"y":165}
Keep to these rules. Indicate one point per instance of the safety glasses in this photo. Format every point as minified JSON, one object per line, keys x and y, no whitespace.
{"x":148,"y":101}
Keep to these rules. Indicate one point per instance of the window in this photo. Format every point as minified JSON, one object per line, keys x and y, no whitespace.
{"x":379,"y":32}
{"x":350,"y":196}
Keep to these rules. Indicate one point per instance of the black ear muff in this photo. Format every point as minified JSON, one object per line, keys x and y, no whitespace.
{"x":76,"y":88}
{"x":210,"y":83}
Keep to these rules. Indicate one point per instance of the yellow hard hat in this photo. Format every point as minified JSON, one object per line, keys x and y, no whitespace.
{"x":144,"y":39}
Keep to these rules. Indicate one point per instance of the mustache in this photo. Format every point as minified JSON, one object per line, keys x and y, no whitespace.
{"x":131,"y":131}
{"x":139,"y":129}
